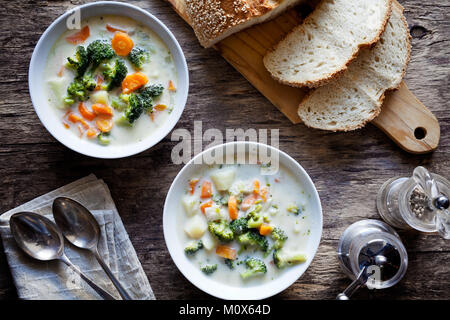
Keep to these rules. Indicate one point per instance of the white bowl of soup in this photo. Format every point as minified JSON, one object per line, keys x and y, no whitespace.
{"x":114,"y":86}
{"x":244,"y":228}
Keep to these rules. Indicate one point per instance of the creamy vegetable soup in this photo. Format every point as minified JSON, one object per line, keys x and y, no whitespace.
{"x":243,"y":228}
{"x":112,"y":82}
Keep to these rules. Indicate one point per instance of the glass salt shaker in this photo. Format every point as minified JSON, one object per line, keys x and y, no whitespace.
{"x":372,"y":254}
{"x":420,"y":202}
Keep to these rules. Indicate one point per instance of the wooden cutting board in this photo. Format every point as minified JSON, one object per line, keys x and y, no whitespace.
{"x":403,"y":118}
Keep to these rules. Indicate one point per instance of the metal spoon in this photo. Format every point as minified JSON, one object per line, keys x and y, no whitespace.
{"x":41,"y":239}
{"x":81,"y":229}
{"x":360,"y":280}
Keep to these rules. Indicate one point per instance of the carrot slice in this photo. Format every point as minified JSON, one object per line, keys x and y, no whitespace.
{"x":206,"y":190}
{"x":232,"y":208}
{"x":73,"y":118}
{"x":264,"y":193}
{"x":66,"y":125}
{"x":99,"y":83}
{"x":226,"y":252}
{"x":101,"y":109}
{"x":205,"y":205}
{"x":133,"y":82}
{"x":80,"y":36}
{"x":256,"y":187}
{"x":85,"y":112}
{"x":265,"y":229}
{"x":248,"y":202}
{"x":92,"y":133}
{"x":111,"y":28}
{"x":192,"y":185}
{"x":84,"y":124}
{"x":171,"y":86}
{"x":160,"y":107}
{"x":104,"y":124}
{"x":122,"y":43}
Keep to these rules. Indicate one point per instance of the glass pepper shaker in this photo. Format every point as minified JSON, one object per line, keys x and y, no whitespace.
{"x":372,"y":254}
{"x":420,"y":202}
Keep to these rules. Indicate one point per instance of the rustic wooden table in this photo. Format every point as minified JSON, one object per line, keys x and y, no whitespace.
{"x":347,"y":168}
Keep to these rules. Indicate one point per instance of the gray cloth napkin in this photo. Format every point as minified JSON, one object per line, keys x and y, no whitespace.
{"x":54,"y":280}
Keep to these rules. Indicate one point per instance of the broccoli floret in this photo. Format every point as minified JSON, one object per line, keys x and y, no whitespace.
{"x":279,"y":237}
{"x":229,"y":263}
{"x":252,"y":238}
{"x":79,"y":62}
{"x":135,"y":108}
{"x":254,"y":267}
{"x":193,"y":247}
{"x":152,"y":92}
{"x":89,"y":80}
{"x":221,"y":229}
{"x":138,"y":57}
{"x":99,"y":51}
{"x":209,"y":268}
{"x":103,"y":138}
{"x":141,"y":101}
{"x":283,"y":259}
{"x":121,"y":102}
{"x":79,"y":89}
{"x":76,"y":91}
{"x":255,"y":219}
{"x":115,"y":72}
{"x":239,"y":226}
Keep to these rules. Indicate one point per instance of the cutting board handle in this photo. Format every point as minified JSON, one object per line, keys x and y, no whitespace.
{"x":408,"y":122}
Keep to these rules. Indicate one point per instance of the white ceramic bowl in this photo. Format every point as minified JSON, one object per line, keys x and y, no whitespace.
{"x":49,"y":117}
{"x":221,"y":290}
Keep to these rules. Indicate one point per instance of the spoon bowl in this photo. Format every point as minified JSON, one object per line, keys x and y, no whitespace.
{"x":77,"y":224}
{"x":41,"y":239}
{"x":37,"y":236}
{"x":81,"y":229}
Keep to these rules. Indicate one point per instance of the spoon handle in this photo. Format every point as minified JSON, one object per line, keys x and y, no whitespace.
{"x":123,"y":293}
{"x":354,"y":286}
{"x":105,"y":295}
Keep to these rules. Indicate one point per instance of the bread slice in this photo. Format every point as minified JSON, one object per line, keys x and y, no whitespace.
{"x":328,"y":40}
{"x":354,"y":99}
{"x":214,"y":20}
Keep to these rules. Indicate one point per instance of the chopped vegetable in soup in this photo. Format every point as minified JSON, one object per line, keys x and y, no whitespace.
{"x":243,"y":228}
{"x":112,"y":82}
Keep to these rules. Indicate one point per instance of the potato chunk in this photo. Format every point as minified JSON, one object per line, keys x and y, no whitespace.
{"x":209,"y":242}
{"x":58,"y":88}
{"x":223,"y":179}
{"x":191,"y":205}
{"x":196,"y":227}
{"x":100,"y":97}
{"x":215,"y":213}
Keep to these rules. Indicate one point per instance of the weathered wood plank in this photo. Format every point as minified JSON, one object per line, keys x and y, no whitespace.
{"x":348,"y":168}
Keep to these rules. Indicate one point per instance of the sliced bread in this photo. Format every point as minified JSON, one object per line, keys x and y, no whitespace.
{"x":328,"y":40}
{"x":214,"y":20}
{"x":349,"y":102}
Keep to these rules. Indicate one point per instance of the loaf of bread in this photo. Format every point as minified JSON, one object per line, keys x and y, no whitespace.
{"x":214,"y":20}
{"x":349,"y":102}
{"x":322,"y":47}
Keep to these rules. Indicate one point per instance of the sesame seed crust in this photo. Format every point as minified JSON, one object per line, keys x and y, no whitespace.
{"x":211,"y":18}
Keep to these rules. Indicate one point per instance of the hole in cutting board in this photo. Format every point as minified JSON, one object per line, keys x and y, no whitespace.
{"x":418,"y":31}
{"x":420,"y":133}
